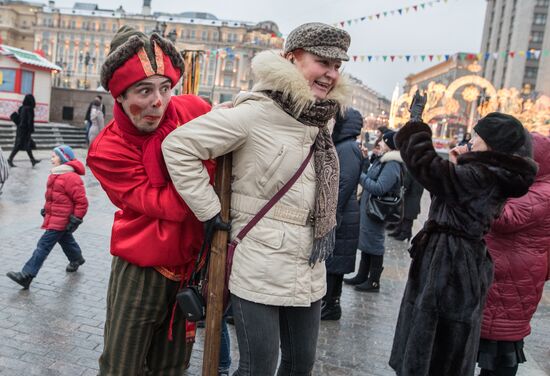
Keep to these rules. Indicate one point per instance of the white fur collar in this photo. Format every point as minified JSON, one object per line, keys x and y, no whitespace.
{"x":62,"y":169}
{"x":392,"y":155}
{"x":273,"y":72}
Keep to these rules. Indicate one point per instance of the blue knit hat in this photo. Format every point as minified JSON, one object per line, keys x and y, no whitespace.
{"x":64,"y":152}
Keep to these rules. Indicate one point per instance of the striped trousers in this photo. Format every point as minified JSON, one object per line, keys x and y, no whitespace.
{"x":139,"y":309}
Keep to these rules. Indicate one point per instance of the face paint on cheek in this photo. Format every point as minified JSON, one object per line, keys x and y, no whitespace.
{"x":135,"y":109}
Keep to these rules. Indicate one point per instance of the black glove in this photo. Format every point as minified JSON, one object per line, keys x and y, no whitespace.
{"x":417,"y":106}
{"x":213,"y":224}
{"x":43,"y":212}
{"x":73,"y":224}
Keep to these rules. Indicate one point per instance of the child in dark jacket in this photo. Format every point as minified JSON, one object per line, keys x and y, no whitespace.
{"x":66,"y":205}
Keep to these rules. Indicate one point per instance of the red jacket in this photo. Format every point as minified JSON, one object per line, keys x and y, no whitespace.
{"x":65,"y":195}
{"x":518,"y":243}
{"x":154,"y":226}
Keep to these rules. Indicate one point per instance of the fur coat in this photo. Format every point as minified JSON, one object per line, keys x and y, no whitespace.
{"x":438,"y":327}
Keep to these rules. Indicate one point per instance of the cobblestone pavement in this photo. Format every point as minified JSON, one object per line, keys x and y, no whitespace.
{"x":56,"y":327}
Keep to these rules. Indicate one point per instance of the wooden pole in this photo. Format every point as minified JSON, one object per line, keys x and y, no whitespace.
{"x":216,"y":272}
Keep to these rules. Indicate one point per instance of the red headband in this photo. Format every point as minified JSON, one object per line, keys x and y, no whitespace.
{"x":139,"y":67}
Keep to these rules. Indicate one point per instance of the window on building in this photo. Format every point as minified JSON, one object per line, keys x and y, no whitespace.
{"x":27,"y":79}
{"x":7,"y":79}
{"x":228,"y":80}
{"x":531,"y":72}
{"x":537,"y":36}
{"x":215,"y":35}
{"x":73,"y":25}
{"x":114,"y":28}
{"x":204,"y":35}
{"x":540,"y":19}
{"x":543,"y":3}
{"x":193,"y":34}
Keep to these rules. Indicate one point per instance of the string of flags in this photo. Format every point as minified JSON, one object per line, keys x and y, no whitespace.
{"x":531,"y":55}
{"x":395,"y":12}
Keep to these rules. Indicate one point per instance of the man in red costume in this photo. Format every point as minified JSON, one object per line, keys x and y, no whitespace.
{"x":155,"y":237}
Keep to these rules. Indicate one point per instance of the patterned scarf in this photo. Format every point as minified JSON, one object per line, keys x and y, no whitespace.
{"x":327,"y":170}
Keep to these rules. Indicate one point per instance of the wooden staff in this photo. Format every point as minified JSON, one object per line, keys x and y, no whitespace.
{"x":216,"y":272}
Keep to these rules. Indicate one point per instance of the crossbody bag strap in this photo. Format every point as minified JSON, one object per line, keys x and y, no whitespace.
{"x":263,"y":211}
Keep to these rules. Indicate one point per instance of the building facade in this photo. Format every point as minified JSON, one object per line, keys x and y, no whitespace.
{"x":373,"y":106}
{"x":511,"y":25}
{"x":78,"y":38}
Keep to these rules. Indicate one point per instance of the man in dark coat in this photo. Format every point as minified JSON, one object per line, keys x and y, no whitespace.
{"x":411,"y":207}
{"x":25,"y":128}
{"x":342,"y":261}
{"x":438,"y":327}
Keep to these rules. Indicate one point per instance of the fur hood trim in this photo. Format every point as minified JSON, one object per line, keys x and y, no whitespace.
{"x":515,"y":174}
{"x":392,"y":155}
{"x":62,"y":169}
{"x":275,"y":73}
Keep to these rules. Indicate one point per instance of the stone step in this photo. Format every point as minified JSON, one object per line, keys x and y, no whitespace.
{"x":46,"y":136}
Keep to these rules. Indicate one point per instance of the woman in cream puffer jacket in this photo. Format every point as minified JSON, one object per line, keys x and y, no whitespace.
{"x":276,"y":287}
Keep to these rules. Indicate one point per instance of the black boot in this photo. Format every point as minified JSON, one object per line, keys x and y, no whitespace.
{"x":331,"y":309}
{"x":397,"y":231}
{"x":35,"y":161}
{"x":73,"y":265}
{"x":362,"y":273}
{"x":406,"y":230}
{"x":373,"y":283}
{"x":10,"y":162}
{"x":23,"y":279}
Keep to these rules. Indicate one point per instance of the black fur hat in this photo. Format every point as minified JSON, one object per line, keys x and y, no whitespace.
{"x":501,"y":132}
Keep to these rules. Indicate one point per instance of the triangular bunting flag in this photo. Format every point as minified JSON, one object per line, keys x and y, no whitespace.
{"x":349,"y":22}
{"x":415,"y":58}
{"x":536,"y":53}
{"x":528,"y":54}
{"x":400,"y":11}
{"x":342,"y":23}
{"x":521,"y":53}
{"x":487,"y":55}
{"x":392,"y":12}
{"x":392,"y":57}
{"x":430,"y":57}
{"x":503,"y":54}
{"x":378,"y":16}
{"x":422,"y":57}
{"x":512,"y":54}
{"x":385,"y":57}
{"x":369,"y":57}
{"x":415,"y":7}
{"x":362,"y":58}
{"x":407,"y":9}
{"x":447,"y":57}
{"x":370,"y":18}
{"x":438,"y":57}
{"x":545,"y":53}
{"x":385,"y":14}
{"x":407,"y":57}
{"x":422,"y":5}
{"x":363,"y":18}
{"x":354,"y":57}
{"x":495,"y":55}
{"x":479,"y":55}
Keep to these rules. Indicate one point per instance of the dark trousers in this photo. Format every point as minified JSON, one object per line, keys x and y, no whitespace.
{"x":139,"y":310}
{"x":334,"y":286}
{"x":262,"y":329}
{"x":17,"y":148}
{"x":45,"y":245}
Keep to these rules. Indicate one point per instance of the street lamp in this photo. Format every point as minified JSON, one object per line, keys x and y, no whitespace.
{"x":88,"y":60}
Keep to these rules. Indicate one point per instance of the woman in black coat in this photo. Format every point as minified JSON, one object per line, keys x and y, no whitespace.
{"x":25,"y":128}
{"x":438,"y":327}
{"x":342,"y":261}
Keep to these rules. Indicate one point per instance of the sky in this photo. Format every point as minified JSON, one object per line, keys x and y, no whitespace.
{"x":445,"y":28}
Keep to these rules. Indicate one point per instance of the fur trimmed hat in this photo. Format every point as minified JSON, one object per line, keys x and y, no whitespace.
{"x":319,"y":39}
{"x":134,"y":56}
{"x":501,"y":132}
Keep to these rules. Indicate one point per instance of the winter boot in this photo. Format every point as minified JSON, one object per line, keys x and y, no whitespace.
{"x":373,"y":283}
{"x":23,"y":279}
{"x":406,"y":230}
{"x":331,"y":309}
{"x":35,"y":161}
{"x":362,"y":273}
{"x":10,"y":163}
{"x":73,"y":265}
{"x":397,"y":231}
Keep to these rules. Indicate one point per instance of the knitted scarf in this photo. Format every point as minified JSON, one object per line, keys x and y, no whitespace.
{"x":327,"y":170}
{"x":149,"y":143}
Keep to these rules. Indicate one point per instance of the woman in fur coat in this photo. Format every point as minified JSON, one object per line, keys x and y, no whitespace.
{"x":439,"y":321}
{"x":383,"y":177}
{"x":278,"y":276}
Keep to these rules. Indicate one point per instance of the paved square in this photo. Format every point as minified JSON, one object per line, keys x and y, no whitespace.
{"x":56,"y":327}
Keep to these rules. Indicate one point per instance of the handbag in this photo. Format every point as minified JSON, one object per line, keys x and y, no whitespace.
{"x":388,"y":208}
{"x":192,"y":298}
{"x":15,"y":117}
